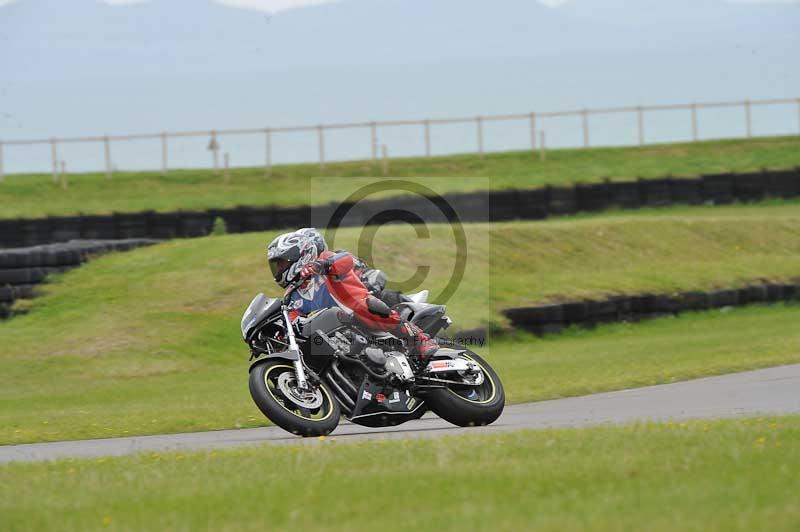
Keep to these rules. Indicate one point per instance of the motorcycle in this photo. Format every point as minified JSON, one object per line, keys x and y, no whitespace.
{"x":304,"y":377}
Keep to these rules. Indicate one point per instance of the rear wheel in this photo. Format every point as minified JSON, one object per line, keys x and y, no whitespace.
{"x":479,"y":401}
{"x":273,"y":386}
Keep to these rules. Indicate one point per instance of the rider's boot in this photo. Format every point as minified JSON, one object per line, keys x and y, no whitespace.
{"x":421,"y":346}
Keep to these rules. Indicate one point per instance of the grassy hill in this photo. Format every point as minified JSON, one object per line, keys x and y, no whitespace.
{"x":148,"y":341}
{"x":31,"y":196}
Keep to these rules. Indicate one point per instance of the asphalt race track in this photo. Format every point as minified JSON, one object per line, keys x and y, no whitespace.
{"x":768,"y":391}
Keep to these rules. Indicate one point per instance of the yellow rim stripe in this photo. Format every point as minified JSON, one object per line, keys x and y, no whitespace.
{"x":487,"y":376}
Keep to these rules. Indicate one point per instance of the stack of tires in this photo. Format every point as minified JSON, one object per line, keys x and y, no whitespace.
{"x":549,"y":319}
{"x":21,"y":269}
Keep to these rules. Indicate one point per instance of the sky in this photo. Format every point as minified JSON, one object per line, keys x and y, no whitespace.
{"x":275,"y":5}
{"x":272,"y":5}
{"x":265,"y":5}
{"x":284,"y":5}
{"x":279,"y":5}
{"x":365,"y":60}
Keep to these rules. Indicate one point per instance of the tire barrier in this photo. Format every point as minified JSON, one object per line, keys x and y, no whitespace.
{"x":624,"y":195}
{"x":23,"y":268}
{"x":561,"y":201}
{"x":527,"y":204}
{"x":548,"y":319}
{"x":9,"y":293}
{"x":718,"y":189}
{"x":687,"y":191}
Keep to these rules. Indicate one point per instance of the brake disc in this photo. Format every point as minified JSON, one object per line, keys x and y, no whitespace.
{"x":309,"y":399}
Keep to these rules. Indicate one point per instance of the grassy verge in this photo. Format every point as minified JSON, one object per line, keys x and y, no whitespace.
{"x":621,"y":356}
{"x":698,"y":475}
{"x":36,"y":196}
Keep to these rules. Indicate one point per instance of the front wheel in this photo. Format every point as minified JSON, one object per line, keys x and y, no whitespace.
{"x":469,"y":405}
{"x":273,"y":386}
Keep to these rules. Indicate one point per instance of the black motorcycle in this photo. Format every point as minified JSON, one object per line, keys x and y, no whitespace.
{"x":305,"y":377}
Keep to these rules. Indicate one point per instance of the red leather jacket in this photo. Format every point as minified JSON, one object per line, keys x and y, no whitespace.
{"x":342,"y":287}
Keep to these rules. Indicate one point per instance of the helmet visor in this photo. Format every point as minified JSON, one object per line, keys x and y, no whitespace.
{"x":278,"y":266}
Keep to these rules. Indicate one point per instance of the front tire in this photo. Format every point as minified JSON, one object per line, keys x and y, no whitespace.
{"x":468,"y":406}
{"x":273,"y":388}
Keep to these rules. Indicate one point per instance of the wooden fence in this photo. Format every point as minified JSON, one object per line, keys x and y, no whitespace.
{"x":533,"y":119}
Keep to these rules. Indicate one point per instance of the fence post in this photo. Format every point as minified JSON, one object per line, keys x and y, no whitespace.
{"x":373,"y":128}
{"x":585,"y":114}
{"x":479,"y":124}
{"x":213,"y":146}
{"x":321,"y":141}
{"x":533,"y":132}
{"x":694,"y":122}
{"x":385,"y":154}
{"x":640,"y":120}
{"x":54,"y":156}
{"x":268,"y":149}
{"x":748,"y":119}
{"x":2,"y":169}
{"x":227,"y":174}
{"x":798,"y":116}
{"x":164,"y":154}
{"x":107,"y":150}
{"x":427,"y":138}
{"x":542,"y":146}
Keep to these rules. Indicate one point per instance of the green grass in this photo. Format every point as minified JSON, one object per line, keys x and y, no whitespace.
{"x":738,"y":474}
{"x":204,"y":386}
{"x":664,"y":252}
{"x":148,"y":341}
{"x":32,"y":196}
{"x":621,"y":356}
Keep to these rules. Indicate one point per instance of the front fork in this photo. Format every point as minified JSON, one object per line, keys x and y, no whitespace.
{"x":299,"y":370}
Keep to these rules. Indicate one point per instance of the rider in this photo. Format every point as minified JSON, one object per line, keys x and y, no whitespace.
{"x":330,"y":280}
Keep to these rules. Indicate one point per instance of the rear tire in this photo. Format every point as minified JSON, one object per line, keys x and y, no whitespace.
{"x":267,"y":387}
{"x":457,"y":407}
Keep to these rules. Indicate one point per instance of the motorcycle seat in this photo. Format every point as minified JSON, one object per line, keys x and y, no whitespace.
{"x":418,"y":311}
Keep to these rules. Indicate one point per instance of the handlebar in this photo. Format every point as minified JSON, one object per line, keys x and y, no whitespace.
{"x":324,"y":265}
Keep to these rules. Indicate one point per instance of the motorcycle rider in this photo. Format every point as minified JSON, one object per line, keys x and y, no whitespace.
{"x":330,"y":280}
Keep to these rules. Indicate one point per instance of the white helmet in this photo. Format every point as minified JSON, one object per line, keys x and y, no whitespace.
{"x":316,"y":236}
{"x":289,"y":252}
